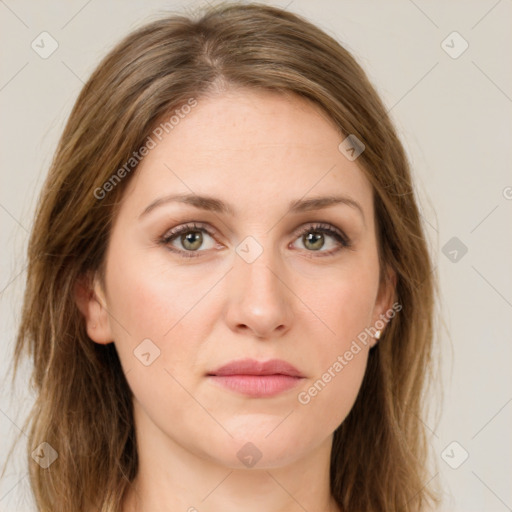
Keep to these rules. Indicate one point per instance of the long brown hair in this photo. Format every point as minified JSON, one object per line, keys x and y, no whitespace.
{"x":83,"y":407}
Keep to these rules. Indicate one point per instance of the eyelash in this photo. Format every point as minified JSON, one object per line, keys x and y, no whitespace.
{"x":340,"y":238}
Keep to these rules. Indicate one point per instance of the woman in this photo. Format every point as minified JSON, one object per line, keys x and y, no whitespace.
{"x":229,"y":297}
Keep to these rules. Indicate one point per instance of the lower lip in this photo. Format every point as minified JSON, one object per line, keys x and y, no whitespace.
{"x":257,"y":386}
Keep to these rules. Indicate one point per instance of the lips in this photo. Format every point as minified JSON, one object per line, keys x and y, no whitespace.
{"x":253,"y":367}
{"x":257,"y":379}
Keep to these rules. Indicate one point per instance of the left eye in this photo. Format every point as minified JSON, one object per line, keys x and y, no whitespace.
{"x":313,"y":238}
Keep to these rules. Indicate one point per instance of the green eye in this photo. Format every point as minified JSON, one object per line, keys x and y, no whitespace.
{"x":191,"y":239}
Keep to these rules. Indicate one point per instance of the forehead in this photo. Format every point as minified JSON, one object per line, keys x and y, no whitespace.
{"x":247,"y":147}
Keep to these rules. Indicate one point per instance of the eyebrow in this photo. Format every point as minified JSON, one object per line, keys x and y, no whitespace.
{"x":213,"y":204}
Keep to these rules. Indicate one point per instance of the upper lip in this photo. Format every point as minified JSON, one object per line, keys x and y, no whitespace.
{"x":254,"y":367}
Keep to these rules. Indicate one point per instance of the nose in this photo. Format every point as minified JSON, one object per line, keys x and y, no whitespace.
{"x":260,"y":301}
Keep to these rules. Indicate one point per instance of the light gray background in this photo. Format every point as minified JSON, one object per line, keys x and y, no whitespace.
{"x":454,"y":117}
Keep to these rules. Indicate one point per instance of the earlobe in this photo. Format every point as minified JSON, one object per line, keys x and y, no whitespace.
{"x":90,"y":300}
{"x":383,"y":305}
{"x":375,"y":338}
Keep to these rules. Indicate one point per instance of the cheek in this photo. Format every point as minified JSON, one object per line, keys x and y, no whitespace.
{"x":328,"y":399}
{"x":345,"y":306}
{"x":158,"y":322}
{"x":160,"y":317}
{"x":150,"y":298}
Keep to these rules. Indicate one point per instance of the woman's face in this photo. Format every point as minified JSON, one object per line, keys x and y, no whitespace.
{"x":255,"y":275}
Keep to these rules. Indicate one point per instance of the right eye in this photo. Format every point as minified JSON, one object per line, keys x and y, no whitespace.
{"x":190,"y":237}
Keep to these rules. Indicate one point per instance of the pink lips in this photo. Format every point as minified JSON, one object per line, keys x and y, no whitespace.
{"x":256,"y":378}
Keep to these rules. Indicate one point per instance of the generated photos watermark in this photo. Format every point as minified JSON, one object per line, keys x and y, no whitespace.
{"x":304,"y":397}
{"x":158,"y":133}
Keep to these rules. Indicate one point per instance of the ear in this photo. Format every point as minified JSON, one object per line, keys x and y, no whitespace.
{"x":90,"y":299}
{"x":384,"y":302}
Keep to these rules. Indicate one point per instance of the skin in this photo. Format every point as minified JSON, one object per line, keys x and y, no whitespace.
{"x":257,"y":151}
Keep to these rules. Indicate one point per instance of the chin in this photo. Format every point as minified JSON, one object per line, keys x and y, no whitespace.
{"x":257,"y":449}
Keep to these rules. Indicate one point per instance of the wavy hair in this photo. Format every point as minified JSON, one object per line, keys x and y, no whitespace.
{"x":83,"y":405}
